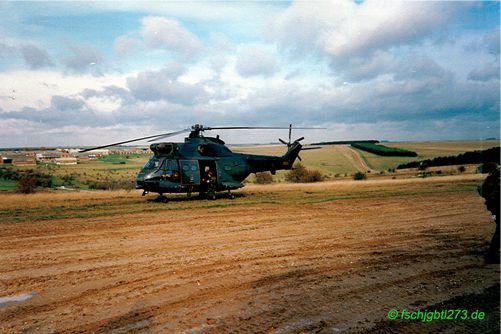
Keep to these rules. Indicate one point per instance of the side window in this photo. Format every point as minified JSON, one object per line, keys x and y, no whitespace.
{"x":202,"y":149}
{"x":170,"y":165}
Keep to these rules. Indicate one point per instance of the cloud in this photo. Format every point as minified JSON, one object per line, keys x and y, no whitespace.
{"x":32,"y":55}
{"x":7,"y":50}
{"x":347,"y":29}
{"x":486,"y":73}
{"x":35,"y":57}
{"x":164,"y":85}
{"x":63,"y":103}
{"x":126,"y":45}
{"x":254,"y":61}
{"x":84,"y":58}
{"x":491,"y":41}
{"x":164,"y":33}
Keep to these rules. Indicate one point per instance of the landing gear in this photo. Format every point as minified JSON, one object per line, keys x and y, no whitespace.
{"x":161,"y":198}
{"x":211,"y":193}
{"x":230,"y":195}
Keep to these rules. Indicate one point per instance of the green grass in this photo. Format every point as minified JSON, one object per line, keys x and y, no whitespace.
{"x":114,"y":158}
{"x":7,"y":185}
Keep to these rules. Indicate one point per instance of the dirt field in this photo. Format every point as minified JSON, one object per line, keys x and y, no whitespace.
{"x":330,"y":257}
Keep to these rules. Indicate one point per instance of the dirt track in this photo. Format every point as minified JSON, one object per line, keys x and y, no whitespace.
{"x":354,"y":157}
{"x":333,"y":266}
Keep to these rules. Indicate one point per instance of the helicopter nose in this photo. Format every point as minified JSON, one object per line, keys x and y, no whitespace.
{"x":140,"y":181}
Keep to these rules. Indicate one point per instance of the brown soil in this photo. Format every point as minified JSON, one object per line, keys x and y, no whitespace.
{"x":337,"y":266}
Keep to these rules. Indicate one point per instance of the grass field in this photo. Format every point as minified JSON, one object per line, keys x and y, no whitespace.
{"x":425,"y":150}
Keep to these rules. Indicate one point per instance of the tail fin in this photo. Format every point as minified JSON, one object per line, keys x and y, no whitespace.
{"x":292,"y":153}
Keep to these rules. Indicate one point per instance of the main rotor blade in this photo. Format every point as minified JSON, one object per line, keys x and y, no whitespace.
{"x":255,"y":127}
{"x":242,"y":127}
{"x":169,"y":135}
{"x":310,"y":148}
{"x":133,"y":140}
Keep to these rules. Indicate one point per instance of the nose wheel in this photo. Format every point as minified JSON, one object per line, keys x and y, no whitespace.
{"x":161,"y":199}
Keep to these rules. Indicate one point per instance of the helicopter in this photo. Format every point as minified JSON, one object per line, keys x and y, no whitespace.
{"x":205,"y":164}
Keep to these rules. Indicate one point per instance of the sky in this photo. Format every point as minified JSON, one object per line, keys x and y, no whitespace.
{"x":91,"y":73}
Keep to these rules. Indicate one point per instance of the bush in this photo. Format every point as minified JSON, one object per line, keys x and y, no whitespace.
{"x":422,"y":166}
{"x":26,"y":184}
{"x":359,"y":176}
{"x":461,"y":169}
{"x":300,"y":174}
{"x":264,"y":178}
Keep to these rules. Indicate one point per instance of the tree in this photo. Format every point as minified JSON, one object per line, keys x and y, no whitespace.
{"x":26,"y":184}
{"x":359,"y":176}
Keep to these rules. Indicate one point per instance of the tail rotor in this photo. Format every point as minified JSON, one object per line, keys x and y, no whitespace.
{"x":289,"y":143}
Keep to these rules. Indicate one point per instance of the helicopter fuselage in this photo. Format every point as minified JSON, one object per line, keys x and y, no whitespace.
{"x":201,"y":162}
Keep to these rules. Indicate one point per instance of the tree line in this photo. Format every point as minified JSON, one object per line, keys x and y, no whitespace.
{"x":490,"y":155}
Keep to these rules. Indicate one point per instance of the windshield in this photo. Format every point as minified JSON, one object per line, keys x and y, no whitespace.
{"x":154,"y":162}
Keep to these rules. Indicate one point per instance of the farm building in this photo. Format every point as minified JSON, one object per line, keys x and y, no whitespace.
{"x":99,"y":152}
{"x":16,"y":158}
{"x":66,"y":161}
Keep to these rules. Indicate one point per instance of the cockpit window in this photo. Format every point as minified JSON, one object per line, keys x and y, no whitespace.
{"x":154,"y":162}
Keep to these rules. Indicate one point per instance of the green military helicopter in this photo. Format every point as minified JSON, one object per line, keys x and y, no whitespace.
{"x":204,"y":164}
